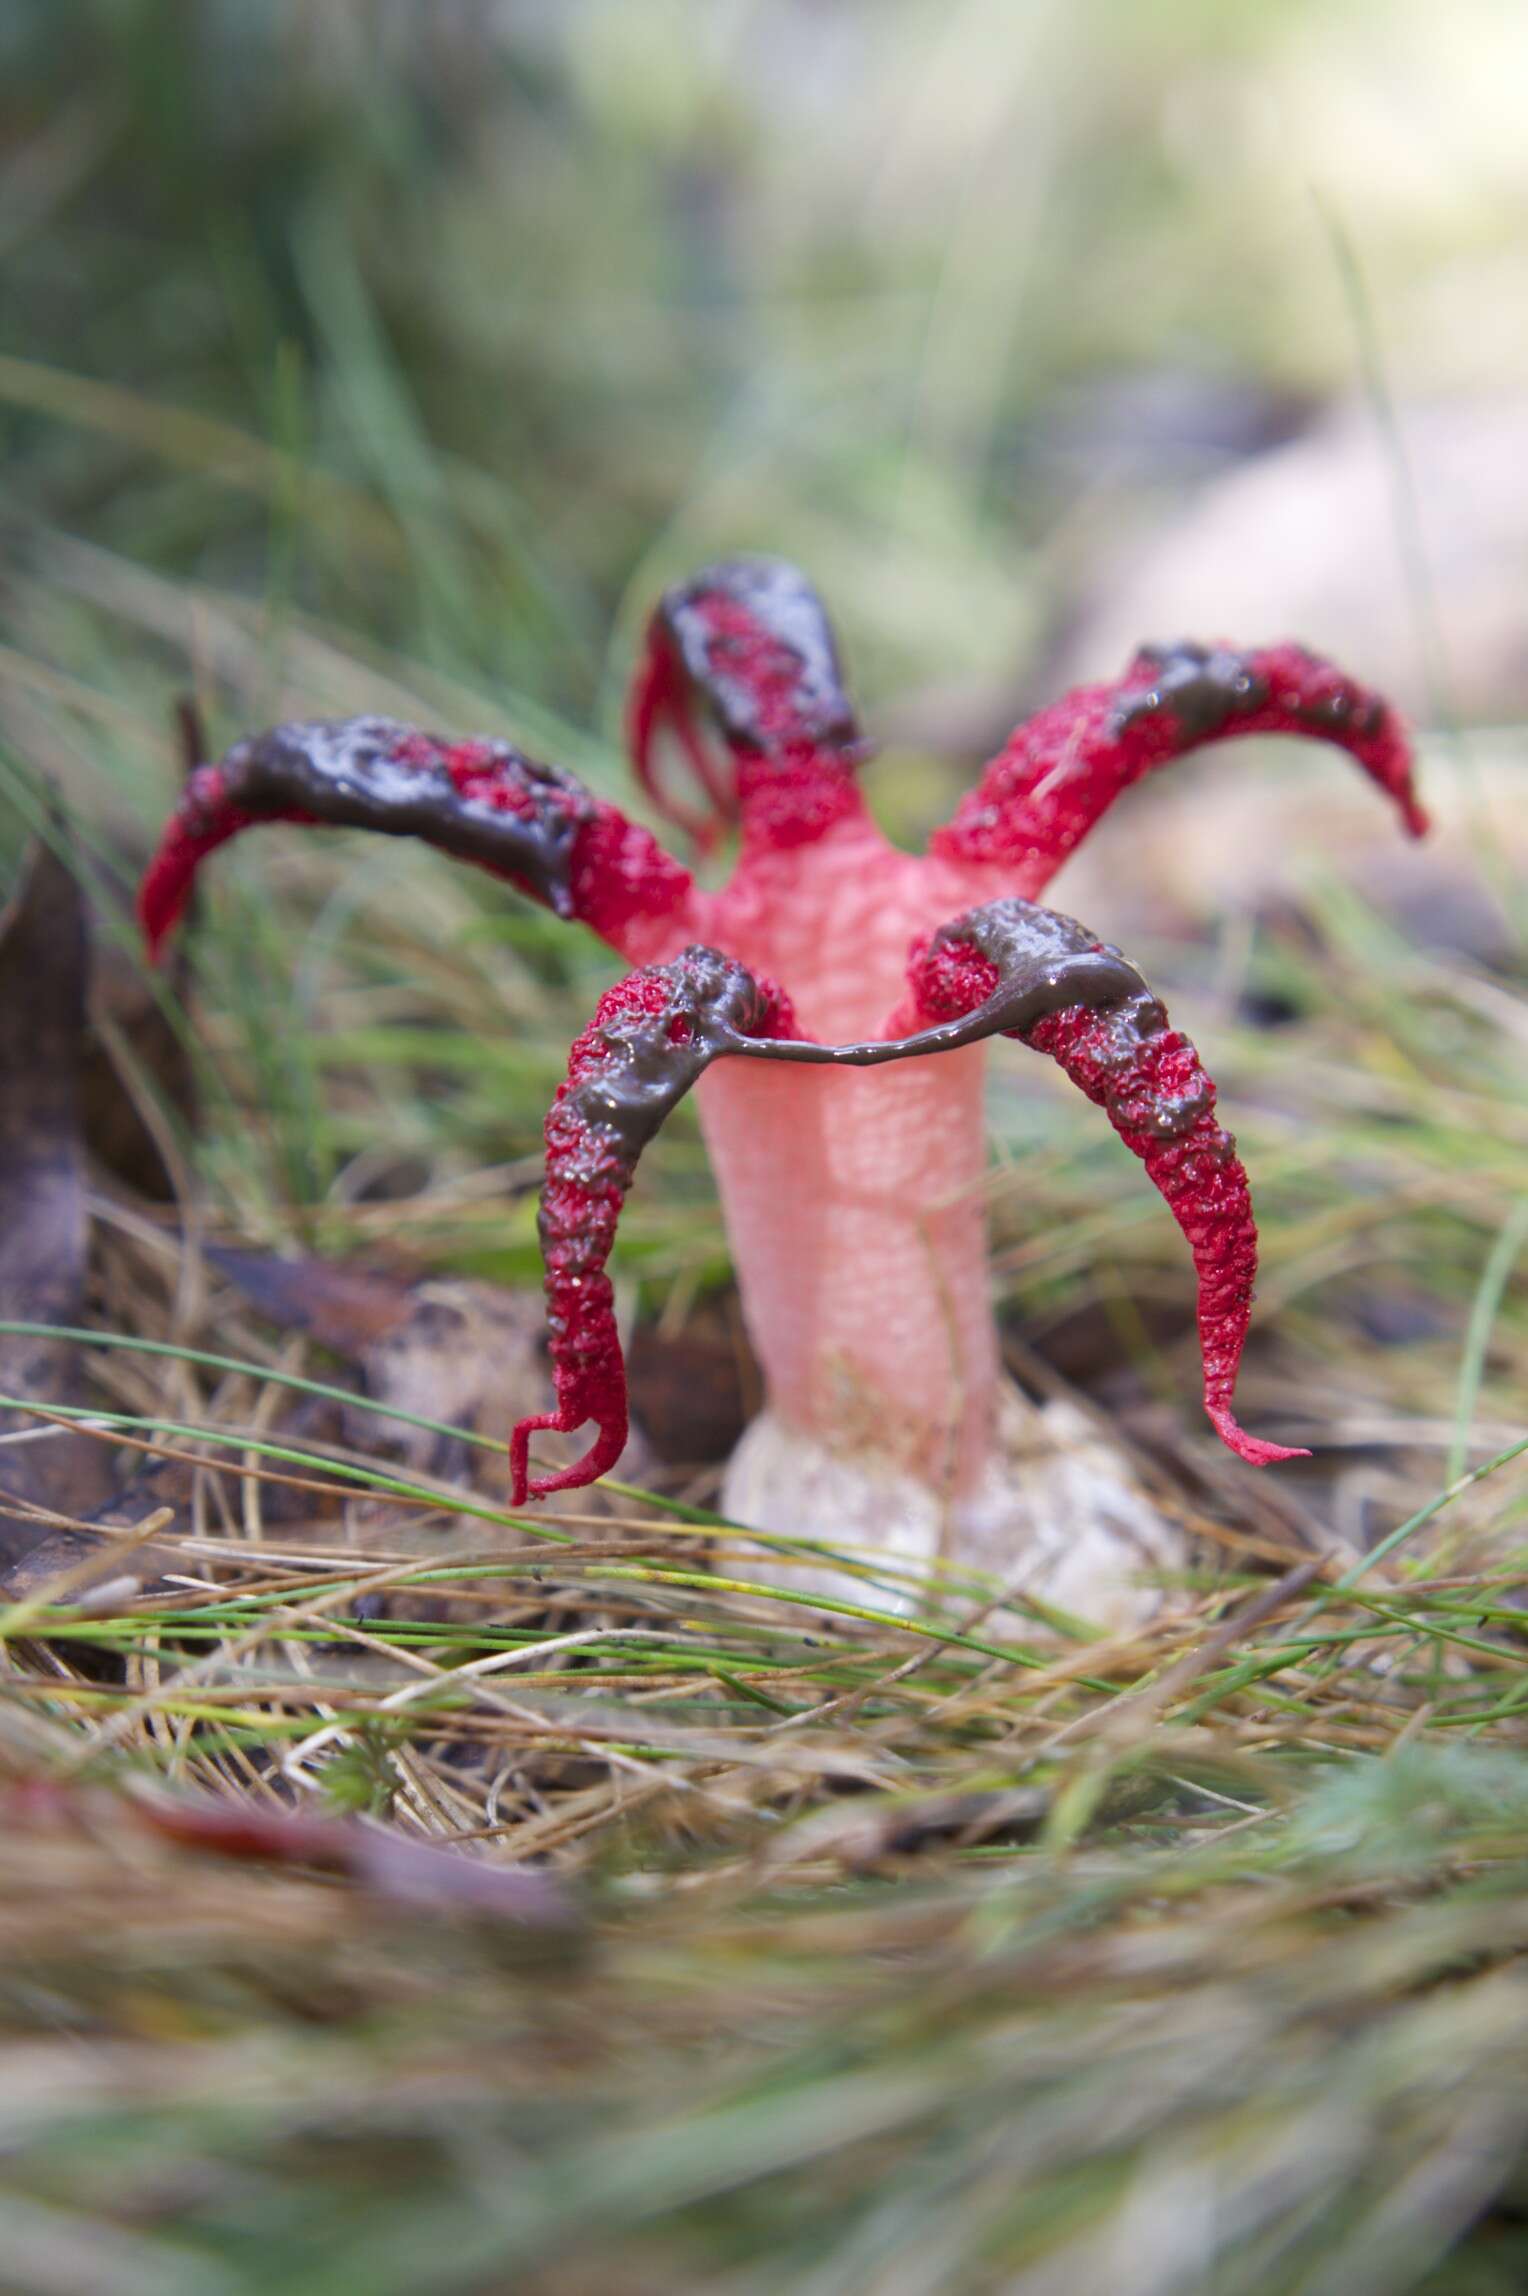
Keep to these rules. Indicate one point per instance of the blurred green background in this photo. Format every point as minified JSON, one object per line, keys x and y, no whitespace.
{"x":511,"y":309}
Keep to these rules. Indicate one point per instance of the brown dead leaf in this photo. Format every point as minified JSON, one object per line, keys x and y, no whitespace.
{"x":131,"y":1049}
{"x":386,"y":1864}
{"x":390,"y":1864}
{"x":44,"y":1231}
{"x":868,"y":1834}
{"x":470,"y":1354}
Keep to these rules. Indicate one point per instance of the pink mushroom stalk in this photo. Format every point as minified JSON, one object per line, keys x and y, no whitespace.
{"x":832,"y":1004}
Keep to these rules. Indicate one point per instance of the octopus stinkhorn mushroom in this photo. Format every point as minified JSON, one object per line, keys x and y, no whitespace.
{"x":832,"y":1003}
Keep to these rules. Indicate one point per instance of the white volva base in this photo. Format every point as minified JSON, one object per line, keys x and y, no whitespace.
{"x":1058,"y":1514}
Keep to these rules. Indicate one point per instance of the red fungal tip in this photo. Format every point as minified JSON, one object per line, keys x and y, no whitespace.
{"x":201,"y":822}
{"x":660,"y":701}
{"x":598,"y":1460}
{"x":1195,"y":1168}
{"x":1252,"y":1448}
{"x":165,"y":889}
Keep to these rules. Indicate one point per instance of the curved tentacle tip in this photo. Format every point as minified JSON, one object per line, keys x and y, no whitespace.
{"x":165,"y":889}
{"x":1252,"y":1448}
{"x":598,"y":1460}
{"x":204,"y":819}
{"x":1388,"y":755}
{"x":658,"y":704}
{"x":520,"y":1454}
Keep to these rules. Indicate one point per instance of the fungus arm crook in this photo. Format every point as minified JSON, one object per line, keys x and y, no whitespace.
{"x":653,"y":1034}
{"x":1062,"y":769}
{"x":482,"y":801}
{"x":748,"y":640}
{"x":1021,"y":971}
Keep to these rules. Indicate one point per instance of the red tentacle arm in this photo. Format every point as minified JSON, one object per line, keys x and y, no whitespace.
{"x":1008,"y":969}
{"x":750,"y":641}
{"x":1063,"y":769}
{"x":482,"y":801}
{"x":1028,"y":973}
{"x":652,"y":1035}
{"x":660,"y":702}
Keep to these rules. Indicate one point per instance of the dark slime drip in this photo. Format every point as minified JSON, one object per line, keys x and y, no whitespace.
{"x":655,"y":1058}
{"x":780,"y":600}
{"x":372,"y":773}
{"x":1342,"y":711}
{"x":1046,"y":963}
{"x":1201,"y":688}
